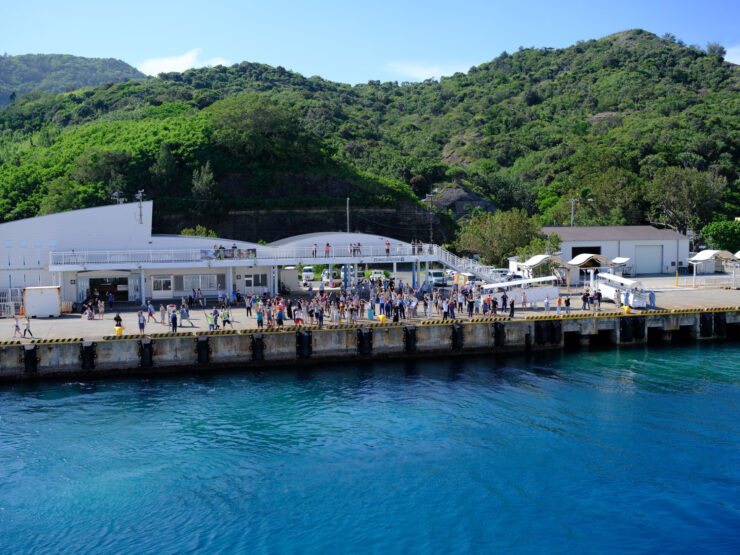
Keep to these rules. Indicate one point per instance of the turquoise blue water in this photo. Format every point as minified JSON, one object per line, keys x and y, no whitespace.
{"x":610,"y":451}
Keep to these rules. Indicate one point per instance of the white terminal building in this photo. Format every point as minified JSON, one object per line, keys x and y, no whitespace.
{"x":112,"y":248}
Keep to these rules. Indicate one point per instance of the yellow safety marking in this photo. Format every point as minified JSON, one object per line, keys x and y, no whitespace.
{"x":51,"y":341}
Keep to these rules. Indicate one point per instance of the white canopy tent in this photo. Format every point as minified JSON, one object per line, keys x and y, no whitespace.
{"x":586,"y":260}
{"x":709,"y":254}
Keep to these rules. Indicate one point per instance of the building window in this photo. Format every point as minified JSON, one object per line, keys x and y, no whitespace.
{"x":52,"y":243}
{"x":255,"y":280}
{"x":161,"y":283}
{"x":38,"y":243}
{"x":8,"y":244}
{"x":23,"y":243}
{"x":202,"y":282}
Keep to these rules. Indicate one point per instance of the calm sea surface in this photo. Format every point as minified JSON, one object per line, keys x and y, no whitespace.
{"x":608,"y":451}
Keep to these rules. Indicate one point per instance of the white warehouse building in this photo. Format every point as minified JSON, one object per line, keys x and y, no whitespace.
{"x":651,"y":250}
{"x":112,"y":248}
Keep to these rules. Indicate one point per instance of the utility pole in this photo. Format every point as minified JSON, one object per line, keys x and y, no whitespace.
{"x":140,"y":198}
{"x":118,"y":197}
{"x":347,"y":214}
{"x":572,"y":210}
{"x":431,"y":235}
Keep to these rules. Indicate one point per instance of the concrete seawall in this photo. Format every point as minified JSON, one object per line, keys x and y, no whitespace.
{"x":253,"y":349}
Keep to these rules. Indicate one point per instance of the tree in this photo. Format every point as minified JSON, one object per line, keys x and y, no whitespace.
{"x":683,"y":198}
{"x":540,"y":245}
{"x":116,"y":183}
{"x":204,"y":184}
{"x":198,"y":231}
{"x":164,"y":171}
{"x":723,"y":235}
{"x":716,"y":49}
{"x":261,"y":131}
{"x":497,"y":236}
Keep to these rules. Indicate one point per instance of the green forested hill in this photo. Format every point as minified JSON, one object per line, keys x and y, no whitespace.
{"x":611,"y":122}
{"x":57,"y":73}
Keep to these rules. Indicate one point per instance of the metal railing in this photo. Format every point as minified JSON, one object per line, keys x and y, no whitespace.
{"x":465,"y":265}
{"x":717,"y":282}
{"x":198,"y":255}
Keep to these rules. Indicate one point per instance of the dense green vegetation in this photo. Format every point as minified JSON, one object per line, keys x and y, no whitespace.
{"x":57,"y":73}
{"x":611,"y":122}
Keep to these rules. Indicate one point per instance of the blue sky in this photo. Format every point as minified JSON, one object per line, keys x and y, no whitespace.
{"x":345,"y":41}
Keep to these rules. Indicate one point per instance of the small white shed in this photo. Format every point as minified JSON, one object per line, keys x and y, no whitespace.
{"x":42,"y":301}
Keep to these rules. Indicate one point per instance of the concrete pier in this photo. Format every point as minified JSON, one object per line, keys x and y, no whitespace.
{"x":252,"y":349}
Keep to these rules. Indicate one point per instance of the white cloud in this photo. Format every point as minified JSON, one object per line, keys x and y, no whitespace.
{"x":733,"y":54}
{"x":421,"y":71}
{"x":190,"y":59}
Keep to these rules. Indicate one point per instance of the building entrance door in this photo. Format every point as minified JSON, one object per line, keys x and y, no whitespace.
{"x":104,"y":285}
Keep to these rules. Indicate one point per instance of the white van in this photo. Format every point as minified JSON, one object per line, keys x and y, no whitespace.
{"x":307,"y":274}
{"x":437,"y":278}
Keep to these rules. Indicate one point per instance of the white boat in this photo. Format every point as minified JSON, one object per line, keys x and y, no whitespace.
{"x":623,"y":291}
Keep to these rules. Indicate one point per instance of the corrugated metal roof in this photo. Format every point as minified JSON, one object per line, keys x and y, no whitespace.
{"x":613,"y":233}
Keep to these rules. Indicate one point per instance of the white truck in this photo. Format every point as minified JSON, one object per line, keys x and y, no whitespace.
{"x":42,"y":301}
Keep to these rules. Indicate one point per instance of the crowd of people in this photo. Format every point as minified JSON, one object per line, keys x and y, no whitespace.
{"x":369,"y":301}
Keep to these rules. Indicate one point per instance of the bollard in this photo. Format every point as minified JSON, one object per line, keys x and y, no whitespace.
{"x":720,"y":324}
{"x":88,"y":355}
{"x":457,"y":336}
{"x":30,"y":360}
{"x":705,"y":324}
{"x":303,"y":344}
{"x":364,"y":341}
{"x":203,"y":349}
{"x":409,"y":339}
{"x":499,"y":334}
{"x":145,"y":352}
{"x":258,"y":347}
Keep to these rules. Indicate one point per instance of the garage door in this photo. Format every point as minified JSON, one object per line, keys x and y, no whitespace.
{"x":648,"y":259}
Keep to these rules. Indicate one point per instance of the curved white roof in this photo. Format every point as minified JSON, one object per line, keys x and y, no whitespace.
{"x":708,"y":254}
{"x":336,"y":238}
{"x":538,"y":259}
{"x":584,"y":258}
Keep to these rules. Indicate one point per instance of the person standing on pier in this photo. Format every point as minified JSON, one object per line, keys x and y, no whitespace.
{"x":142,"y":321}
{"x":173,"y":322}
{"x":567,"y":306}
{"x":511,"y":308}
